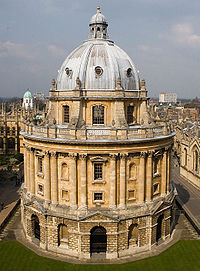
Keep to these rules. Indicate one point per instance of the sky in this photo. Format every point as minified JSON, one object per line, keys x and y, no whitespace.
{"x":161,"y":36}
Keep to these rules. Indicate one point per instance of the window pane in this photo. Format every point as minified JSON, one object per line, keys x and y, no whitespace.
{"x":98,"y":196}
{"x":98,"y":114}
{"x":130,"y":110}
{"x":98,"y":171}
{"x":66,"y":114}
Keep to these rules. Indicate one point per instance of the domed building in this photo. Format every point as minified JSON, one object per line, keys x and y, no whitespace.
{"x":97,"y":170}
{"x":27,"y":100}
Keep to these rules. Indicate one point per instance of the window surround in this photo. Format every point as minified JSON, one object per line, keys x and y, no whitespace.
{"x":132,"y":198}
{"x":136,"y":171}
{"x":61,"y":167}
{"x":40,"y":190}
{"x":98,"y":160}
{"x":67,"y":192}
{"x":105,"y":114}
{"x":98,"y":201}
{"x":63,"y":114}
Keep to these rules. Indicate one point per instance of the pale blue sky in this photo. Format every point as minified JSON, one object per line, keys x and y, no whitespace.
{"x":161,"y":36}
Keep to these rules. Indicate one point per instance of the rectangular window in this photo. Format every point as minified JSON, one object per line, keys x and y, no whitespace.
{"x":1,"y":130}
{"x":98,"y":196}
{"x":66,"y":114}
{"x":130,"y":111}
{"x":98,"y":171}
{"x":98,"y":114}
{"x":40,"y":189}
{"x":131,"y":194}
{"x":40,"y":167}
{"x":65,"y":195}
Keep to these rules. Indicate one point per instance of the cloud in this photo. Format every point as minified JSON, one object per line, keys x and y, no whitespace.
{"x":9,"y":48}
{"x":184,"y":33}
{"x":53,"y":49}
{"x":146,"y":48}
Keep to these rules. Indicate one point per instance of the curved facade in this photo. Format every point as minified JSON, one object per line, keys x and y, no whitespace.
{"x":97,"y":170}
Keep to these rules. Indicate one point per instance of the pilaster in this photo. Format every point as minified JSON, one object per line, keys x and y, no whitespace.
{"x":149,"y":176}
{"x":113,"y":180}
{"x":122,"y":201}
{"x":83,"y":158}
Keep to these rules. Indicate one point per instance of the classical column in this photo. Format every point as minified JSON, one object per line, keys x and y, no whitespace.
{"x":28,"y":169}
{"x":25,"y":165}
{"x":47,"y":184}
{"x":83,"y":158}
{"x":113,"y":180}
{"x":54,"y":178}
{"x":73,"y":198}
{"x":32,"y":171}
{"x":122,"y":200}
{"x":164,"y":173}
{"x":141,"y":177}
{"x":168,"y":169}
{"x":149,"y":176}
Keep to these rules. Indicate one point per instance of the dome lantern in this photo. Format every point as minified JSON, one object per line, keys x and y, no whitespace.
{"x":98,"y":26}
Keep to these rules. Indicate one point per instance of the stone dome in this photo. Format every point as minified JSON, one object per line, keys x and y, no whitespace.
{"x":98,"y":18}
{"x":98,"y":63}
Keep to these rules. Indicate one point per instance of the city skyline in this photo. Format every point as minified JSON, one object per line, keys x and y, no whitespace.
{"x":161,"y":38}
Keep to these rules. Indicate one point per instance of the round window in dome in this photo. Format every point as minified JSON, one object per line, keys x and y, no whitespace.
{"x":67,"y":70}
{"x":98,"y":71}
{"x":129,"y":72}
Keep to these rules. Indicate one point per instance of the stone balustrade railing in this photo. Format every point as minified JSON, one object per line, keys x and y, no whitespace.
{"x":62,"y":132}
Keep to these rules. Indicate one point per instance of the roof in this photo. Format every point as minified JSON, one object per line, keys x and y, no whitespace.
{"x":27,"y":94}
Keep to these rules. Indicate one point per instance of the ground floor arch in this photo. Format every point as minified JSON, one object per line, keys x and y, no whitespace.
{"x":159,"y":227}
{"x":98,"y":240}
{"x":35,"y":226}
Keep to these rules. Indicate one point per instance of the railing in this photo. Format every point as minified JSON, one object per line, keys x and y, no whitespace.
{"x":96,"y":133}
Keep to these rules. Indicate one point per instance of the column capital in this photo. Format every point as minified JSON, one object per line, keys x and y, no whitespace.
{"x":123,"y":155}
{"x":54,"y":154}
{"x":150,"y":154}
{"x":46,"y":153}
{"x":83,"y":156}
{"x":113,"y":156}
{"x":73,"y":155}
{"x":143,"y":154}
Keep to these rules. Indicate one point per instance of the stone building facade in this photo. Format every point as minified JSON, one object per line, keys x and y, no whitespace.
{"x":97,"y":169}
{"x":189,"y":143}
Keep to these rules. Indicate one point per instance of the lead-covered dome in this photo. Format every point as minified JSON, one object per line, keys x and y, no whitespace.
{"x":98,"y":63}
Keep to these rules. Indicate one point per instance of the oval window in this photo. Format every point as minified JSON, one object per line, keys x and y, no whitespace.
{"x":67,"y":71}
{"x":129,"y":72}
{"x":98,"y":71}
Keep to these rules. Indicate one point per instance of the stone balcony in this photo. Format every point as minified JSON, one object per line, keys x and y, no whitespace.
{"x":63,"y":133}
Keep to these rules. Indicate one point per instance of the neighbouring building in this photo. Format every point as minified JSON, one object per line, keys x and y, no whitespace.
{"x":189,"y":151}
{"x":97,"y":168}
{"x":167,"y":97}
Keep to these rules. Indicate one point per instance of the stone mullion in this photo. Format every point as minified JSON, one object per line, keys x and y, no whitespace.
{"x":32,"y":172}
{"x":54,"y":178}
{"x":47,"y":184}
{"x":122,"y":201}
{"x":164,"y":173}
{"x":149,"y":177}
{"x":83,"y":158}
{"x":141,"y":178}
{"x":112,"y":180}
{"x":73,"y":181}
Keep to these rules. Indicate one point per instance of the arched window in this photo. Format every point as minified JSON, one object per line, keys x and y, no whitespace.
{"x":35,"y":226}
{"x":132,"y":171}
{"x":130,"y":111}
{"x":65,"y":172}
{"x":8,"y":130}
{"x":1,"y":130}
{"x":98,"y":114}
{"x":11,"y":143}
{"x":196,"y":161}
{"x":185,"y":156}
{"x":159,"y":228}
{"x":66,"y":114}
{"x":133,"y":235}
{"x":63,"y":234}
{"x":156,"y":168}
